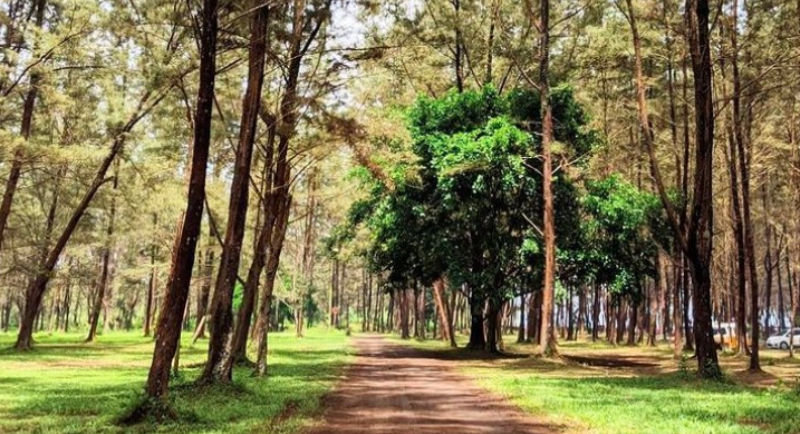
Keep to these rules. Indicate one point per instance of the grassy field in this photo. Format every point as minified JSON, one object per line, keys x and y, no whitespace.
{"x":647,"y":393}
{"x":65,"y":386}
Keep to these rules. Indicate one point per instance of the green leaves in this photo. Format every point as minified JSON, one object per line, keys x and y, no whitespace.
{"x":470,"y":212}
{"x":620,"y":227}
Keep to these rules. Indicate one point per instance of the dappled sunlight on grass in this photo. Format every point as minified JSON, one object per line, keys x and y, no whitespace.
{"x":66,"y":386}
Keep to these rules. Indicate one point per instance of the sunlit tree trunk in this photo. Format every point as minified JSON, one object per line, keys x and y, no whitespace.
{"x":549,"y":344}
{"x":25,"y":131}
{"x":284,"y":201}
{"x":171,"y":313}
{"x":220,"y":353}
{"x":103,"y":283}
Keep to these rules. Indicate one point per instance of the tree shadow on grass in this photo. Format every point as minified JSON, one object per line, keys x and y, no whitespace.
{"x":66,"y":400}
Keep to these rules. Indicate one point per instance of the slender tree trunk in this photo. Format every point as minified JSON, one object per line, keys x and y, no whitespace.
{"x":522,"y":322}
{"x":622,"y":311}
{"x":25,"y":131}
{"x":444,"y":312}
{"x":781,"y":305}
{"x":699,"y":245}
{"x":207,"y":276}
{"x":792,"y":304}
{"x":548,"y":332}
{"x":741,"y":252}
{"x":581,"y":311}
{"x":768,"y":261}
{"x":104,"y":274}
{"x":390,"y":312}
{"x":273,"y":261}
{"x":744,"y":171}
{"x":459,"y":47}
{"x":151,"y":287}
{"x":38,"y":285}
{"x":596,"y":313}
{"x":405,"y":317}
{"x":220,"y":353}
{"x":171,"y":313}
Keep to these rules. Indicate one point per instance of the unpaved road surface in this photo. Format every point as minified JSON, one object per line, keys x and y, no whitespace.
{"x":393,"y":389}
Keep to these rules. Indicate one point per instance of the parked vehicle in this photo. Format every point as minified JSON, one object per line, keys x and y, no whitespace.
{"x":782,"y":340}
{"x":725,"y":336}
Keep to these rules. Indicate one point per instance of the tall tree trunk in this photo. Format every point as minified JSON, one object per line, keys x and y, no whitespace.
{"x":171,"y":313}
{"x":405,"y":318}
{"x":25,"y":131}
{"x":284,"y":201}
{"x":768,"y":261}
{"x":390,"y":312}
{"x":781,"y":305}
{"x":596,"y":313}
{"x":570,"y":316}
{"x":38,"y":285}
{"x":151,"y":287}
{"x":534,"y":302}
{"x":207,"y":276}
{"x":259,"y":261}
{"x":699,"y":245}
{"x":459,"y":47}
{"x":104,"y":274}
{"x":419,"y":311}
{"x":741,"y":252}
{"x":792,"y":303}
{"x":548,"y":332}
{"x":219,"y":366}
{"x":444,"y":312}
{"x":522,"y":323}
{"x":581,"y":328}
{"x":744,"y":171}
{"x":494,"y":325}
{"x":622,"y":311}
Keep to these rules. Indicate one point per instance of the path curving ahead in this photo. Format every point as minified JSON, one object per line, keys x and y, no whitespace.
{"x":393,"y":389}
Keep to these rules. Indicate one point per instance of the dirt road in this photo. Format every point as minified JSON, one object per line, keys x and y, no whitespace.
{"x":393,"y":389}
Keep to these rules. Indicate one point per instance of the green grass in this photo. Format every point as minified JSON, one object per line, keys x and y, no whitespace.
{"x":601,"y":401}
{"x":64,"y":386}
{"x":669,"y":403}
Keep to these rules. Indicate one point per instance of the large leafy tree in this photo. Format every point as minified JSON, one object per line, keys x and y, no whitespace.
{"x":467,"y":208}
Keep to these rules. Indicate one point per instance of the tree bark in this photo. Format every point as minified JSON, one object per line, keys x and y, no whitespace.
{"x":104,"y":274}
{"x":219,"y":367}
{"x":768,"y":261}
{"x":744,"y":171}
{"x":444,"y":312}
{"x":259,"y":261}
{"x":171,"y":314}
{"x":700,"y":239}
{"x":25,"y":130}
{"x":207,"y":276}
{"x":273,"y":261}
{"x":548,"y":333}
{"x":151,"y":287}
{"x":596,"y":313}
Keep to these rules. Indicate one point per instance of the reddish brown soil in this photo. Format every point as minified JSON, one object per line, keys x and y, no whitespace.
{"x":392,"y":389}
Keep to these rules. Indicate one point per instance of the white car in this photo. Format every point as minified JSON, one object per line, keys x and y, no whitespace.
{"x":782,"y":340}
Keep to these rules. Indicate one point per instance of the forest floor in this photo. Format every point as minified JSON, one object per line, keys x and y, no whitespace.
{"x":600,"y":389}
{"x":397,"y":389}
{"x":66,"y":386}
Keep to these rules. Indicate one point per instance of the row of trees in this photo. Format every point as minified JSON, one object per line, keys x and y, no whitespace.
{"x":495,"y":184}
{"x":664,"y":81}
{"x":109,"y":95}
